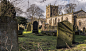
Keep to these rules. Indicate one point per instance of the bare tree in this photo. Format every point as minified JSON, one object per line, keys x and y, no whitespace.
{"x":34,"y":11}
{"x":42,"y":1}
{"x":60,"y":7}
{"x":39,"y":12}
{"x":70,"y":7}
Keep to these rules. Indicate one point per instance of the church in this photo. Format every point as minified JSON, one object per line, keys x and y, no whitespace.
{"x":77,"y":18}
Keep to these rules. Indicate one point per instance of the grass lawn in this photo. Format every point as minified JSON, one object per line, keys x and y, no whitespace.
{"x":47,"y":43}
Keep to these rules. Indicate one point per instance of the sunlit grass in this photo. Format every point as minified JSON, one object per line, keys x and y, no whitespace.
{"x":26,"y":32}
{"x":31,"y":41}
{"x":80,"y":38}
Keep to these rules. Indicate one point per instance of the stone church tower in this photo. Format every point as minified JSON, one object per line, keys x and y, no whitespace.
{"x":51,"y":10}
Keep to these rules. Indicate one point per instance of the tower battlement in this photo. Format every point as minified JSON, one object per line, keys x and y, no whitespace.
{"x":51,"y":10}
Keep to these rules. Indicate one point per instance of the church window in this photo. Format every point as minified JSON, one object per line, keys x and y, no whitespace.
{"x":53,"y":9}
{"x":58,"y":20}
{"x":48,"y":10}
{"x":79,"y":23}
{"x":50,"y":22}
{"x":51,"y":14}
{"x":55,"y":21}
{"x":66,"y":19}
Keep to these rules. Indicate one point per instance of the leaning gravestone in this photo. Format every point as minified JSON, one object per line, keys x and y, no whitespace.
{"x":8,"y":34}
{"x":35,"y":27}
{"x":28,"y":27}
{"x":64,"y":34}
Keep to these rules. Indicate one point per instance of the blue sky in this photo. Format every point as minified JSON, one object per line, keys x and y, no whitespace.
{"x":24,"y":4}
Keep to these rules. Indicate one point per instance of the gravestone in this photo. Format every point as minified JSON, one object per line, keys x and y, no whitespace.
{"x":35,"y":27}
{"x":83,"y":29}
{"x":20,"y":31}
{"x":8,"y":34}
{"x":64,"y":34}
{"x":40,"y":26}
{"x":43,"y":26}
{"x":28,"y":27}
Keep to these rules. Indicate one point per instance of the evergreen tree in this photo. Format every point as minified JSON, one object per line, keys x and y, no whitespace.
{"x":7,"y":9}
{"x":21,"y":20}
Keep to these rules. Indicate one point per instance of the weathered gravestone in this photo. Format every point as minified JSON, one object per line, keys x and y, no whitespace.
{"x":35,"y":27}
{"x":28,"y":27}
{"x":20,"y":31}
{"x":43,"y":26}
{"x":83,"y":29}
{"x":64,"y":34}
{"x":8,"y":34}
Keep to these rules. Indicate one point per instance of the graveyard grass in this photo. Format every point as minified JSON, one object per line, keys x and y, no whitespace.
{"x":47,"y":43}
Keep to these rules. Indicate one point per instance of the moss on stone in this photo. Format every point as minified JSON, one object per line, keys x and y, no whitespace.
{"x":29,"y":27}
{"x":64,"y":34}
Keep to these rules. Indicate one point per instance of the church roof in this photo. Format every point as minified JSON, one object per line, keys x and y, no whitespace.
{"x":79,"y":11}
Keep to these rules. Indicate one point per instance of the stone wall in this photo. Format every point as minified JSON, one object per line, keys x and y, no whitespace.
{"x":69,"y":16}
{"x":80,"y":19}
{"x":59,"y":19}
{"x":8,"y":34}
{"x":83,"y":23}
{"x":51,"y":10}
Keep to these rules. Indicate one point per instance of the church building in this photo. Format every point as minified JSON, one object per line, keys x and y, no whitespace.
{"x":76,"y":18}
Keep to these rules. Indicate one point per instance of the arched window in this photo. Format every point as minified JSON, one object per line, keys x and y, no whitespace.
{"x":50,"y":22}
{"x":79,"y":23}
{"x":66,"y":19}
{"x":55,"y":21}
{"x":58,"y":20}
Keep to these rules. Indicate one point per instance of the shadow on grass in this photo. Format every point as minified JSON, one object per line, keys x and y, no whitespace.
{"x":31,"y":41}
{"x":80,"y":38}
{"x":80,"y":41}
{"x":21,"y":36}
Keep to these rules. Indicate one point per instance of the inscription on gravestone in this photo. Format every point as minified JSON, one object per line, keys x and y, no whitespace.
{"x":35,"y":27}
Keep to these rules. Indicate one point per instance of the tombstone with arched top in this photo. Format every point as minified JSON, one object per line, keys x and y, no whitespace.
{"x":35,"y":27}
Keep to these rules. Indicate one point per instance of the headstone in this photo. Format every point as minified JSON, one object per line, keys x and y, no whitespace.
{"x":40,"y":26}
{"x":64,"y":34}
{"x":20,"y":31}
{"x":8,"y":34}
{"x":43,"y":26}
{"x":25,"y":26}
{"x":83,"y":29}
{"x":35,"y":27}
{"x":28,"y":27}
{"x":18,"y":26}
